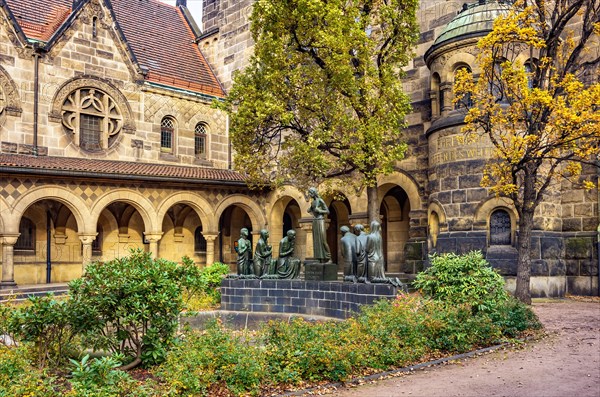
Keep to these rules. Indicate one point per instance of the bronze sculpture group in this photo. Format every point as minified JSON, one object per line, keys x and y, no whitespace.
{"x":362,"y":253}
{"x":262,"y":264}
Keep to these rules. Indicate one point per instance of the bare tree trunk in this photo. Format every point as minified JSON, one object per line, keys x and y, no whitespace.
{"x":372,"y":204}
{"x":528,"y":205}
{"x":522,"y":291}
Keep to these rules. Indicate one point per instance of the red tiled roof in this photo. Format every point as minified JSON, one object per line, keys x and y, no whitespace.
{"x":39,"y":19}
{"x":157,"y":34}
{"x":107,"y":168}
{"x":163,"y":42}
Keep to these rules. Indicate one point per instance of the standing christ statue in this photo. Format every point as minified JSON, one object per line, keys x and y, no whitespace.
{"x":319,"y":210}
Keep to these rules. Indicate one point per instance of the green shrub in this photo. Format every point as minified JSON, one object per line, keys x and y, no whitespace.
{"x":463,"y":281}
{"x":201,"y":285}
{"x":300,"y":351}
{"x":458,"y":279}
{"x":47,"y":324}
{"x":18,"y":378}
{"x":514,"y":317}
{"x":210,"y":357}
{"x":129,"y":306}
{"x":455,"y":329}
{"x":392,"y":332}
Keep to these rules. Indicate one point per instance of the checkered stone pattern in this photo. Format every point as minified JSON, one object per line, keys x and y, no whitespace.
{"x":88,"y":192}
{"x":15,"y":187}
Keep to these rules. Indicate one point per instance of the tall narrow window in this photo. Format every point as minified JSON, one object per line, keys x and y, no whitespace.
{"x":529,"y":71}
{"x":200,"y":140}
{"x":500,"y":228}
{"x":95,"y":27}
{"x":436,"y":96}
{"x":199,"y":240}
{"x":26,"y":240}
{"x":167,"y":131}
{"x":466,"y":102}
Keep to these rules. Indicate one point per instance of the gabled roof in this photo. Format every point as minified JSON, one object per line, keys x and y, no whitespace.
{"x":163,"y":42}
{"x":158,"y":35}
{"x":121,"y":170}
{"x":39,"y":19}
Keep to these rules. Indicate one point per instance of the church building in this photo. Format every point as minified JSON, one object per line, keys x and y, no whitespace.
{"x":109,"y":142}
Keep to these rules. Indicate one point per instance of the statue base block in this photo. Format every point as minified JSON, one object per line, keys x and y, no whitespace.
{"x":316,"y":271}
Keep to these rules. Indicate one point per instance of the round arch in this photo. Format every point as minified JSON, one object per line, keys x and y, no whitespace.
{"x":196,"y":202}
{"x":484,"y":210}
{"x":74,"y":203}
{"x":438,"y":208}
{"x":93,"y":81}
{"x":458,"y":59}
{"x":135,"y":199}
{"x":257,"y":216}
{"x":407,"y":183}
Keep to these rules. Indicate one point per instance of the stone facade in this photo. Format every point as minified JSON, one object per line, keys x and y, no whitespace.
{"x":453,"y":213}
{"x":64,"y":204}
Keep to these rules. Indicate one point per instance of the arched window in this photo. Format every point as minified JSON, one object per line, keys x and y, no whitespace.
{"x":167,"y":134}
{"x":26,"y":240}
{"x":529,"y":71}
{"x":434,"y":228}
{"x":200,"y":140}
{"x":500,"y":228}
{"x":466,"y":102}
{"x":199,"y":240}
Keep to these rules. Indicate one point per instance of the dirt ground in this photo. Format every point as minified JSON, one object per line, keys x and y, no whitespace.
{"x":564,"y":363}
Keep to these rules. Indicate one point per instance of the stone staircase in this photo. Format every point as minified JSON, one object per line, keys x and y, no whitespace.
{"x":22,"y":292}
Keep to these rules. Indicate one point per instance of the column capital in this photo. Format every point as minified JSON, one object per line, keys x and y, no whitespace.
{"x":153,"y":237}
{"x":87,"y":238}
{"x":210,"y":236}
{"x":9,"y":238}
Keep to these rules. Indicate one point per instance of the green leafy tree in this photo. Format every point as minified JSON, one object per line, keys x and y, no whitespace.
{"x":322,"y":96}
{"x":534,"y":102}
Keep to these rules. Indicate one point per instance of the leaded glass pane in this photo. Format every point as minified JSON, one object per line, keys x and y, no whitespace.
{"x":90,"y":130}
{"x":500,"y":228}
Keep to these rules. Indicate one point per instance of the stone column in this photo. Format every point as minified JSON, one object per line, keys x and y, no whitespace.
{"x":210,"y":246}
{"x":306,"y":226}
{"x":153,"y":238}
{"x":86,"y":240}
{"x":8,"y":266}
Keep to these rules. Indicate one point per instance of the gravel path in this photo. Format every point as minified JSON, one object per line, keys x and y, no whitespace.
{"x":565,"y":363}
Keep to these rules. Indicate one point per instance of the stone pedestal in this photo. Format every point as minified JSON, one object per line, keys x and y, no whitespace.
{"x":316,"y":271}
{"x":312,"y":298}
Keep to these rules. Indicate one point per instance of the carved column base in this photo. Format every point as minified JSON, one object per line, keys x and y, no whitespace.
{"x":8,"y":285}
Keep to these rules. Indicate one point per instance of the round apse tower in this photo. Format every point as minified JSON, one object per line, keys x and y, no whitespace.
{"x":462,"y":216}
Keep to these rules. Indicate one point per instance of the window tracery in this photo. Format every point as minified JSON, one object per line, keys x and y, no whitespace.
{"x":93,"y":117}
{"x":500,"y":228}
{"x":200,"y":140}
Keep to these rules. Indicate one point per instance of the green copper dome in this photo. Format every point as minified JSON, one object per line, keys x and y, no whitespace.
{"x":475,"y":19}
